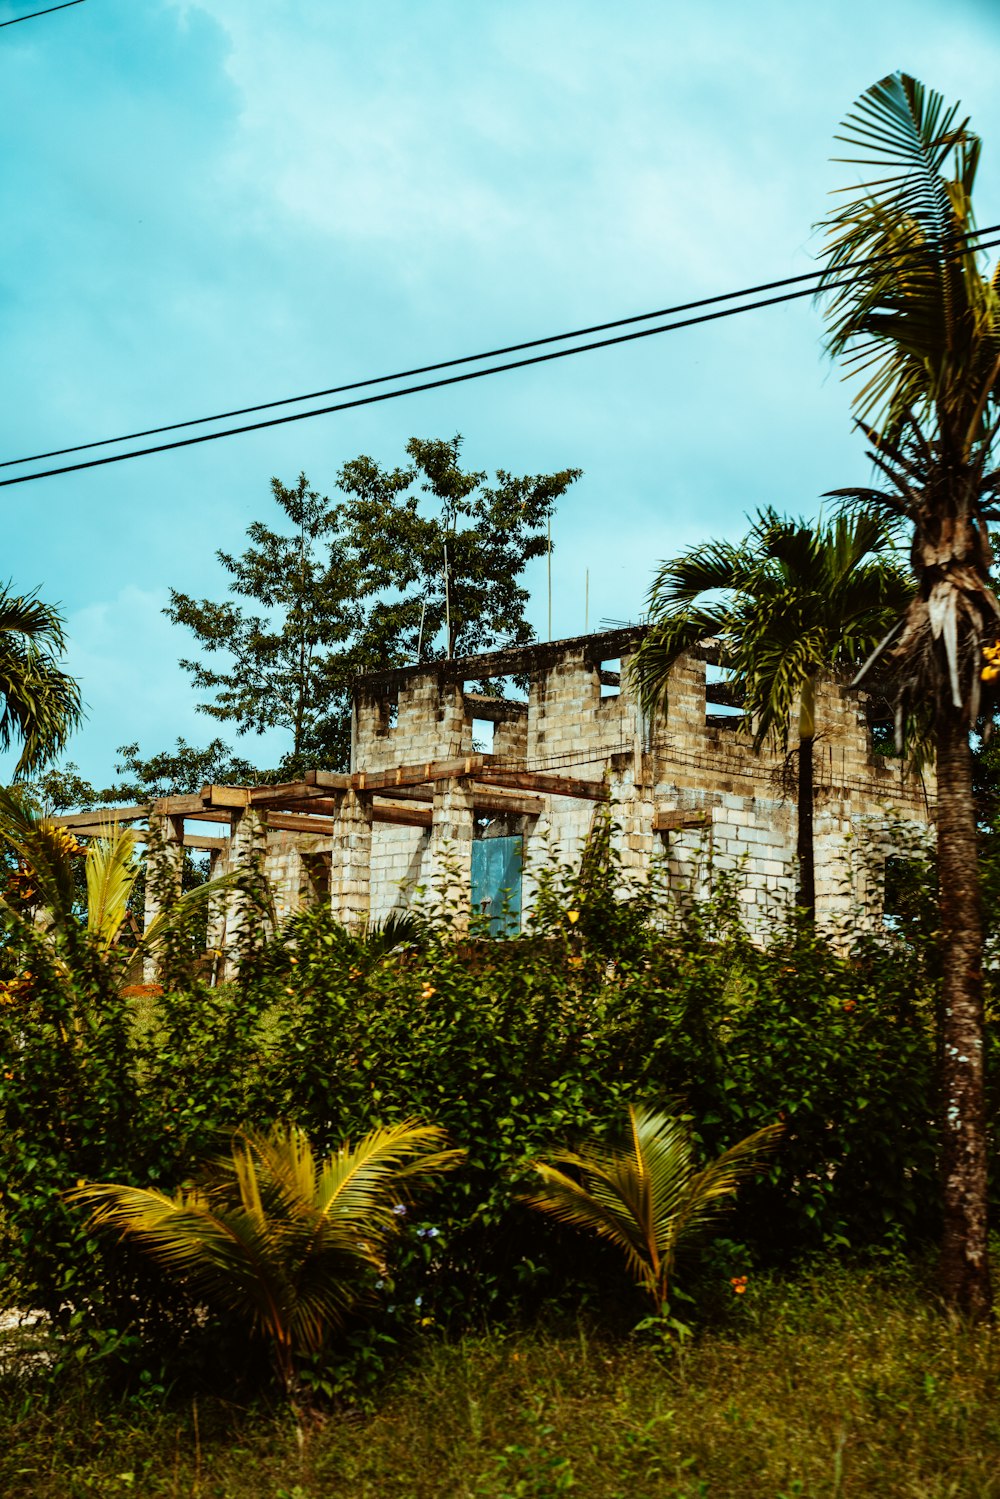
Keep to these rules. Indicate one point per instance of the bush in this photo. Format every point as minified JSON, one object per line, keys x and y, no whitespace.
{"x":614,"y":994}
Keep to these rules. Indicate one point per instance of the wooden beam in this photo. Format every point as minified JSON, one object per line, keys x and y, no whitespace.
{"x":99,"y":817}
{"x":226,"y":796}
{"x":287,"y":793}
{"x":320,"y":806}
{"x":198,"y":840}
{"x":334,"y":780}
{"x":506,"y":803}
{"x":411,"y":817}
{"x":494,"y":709}
{"x":542,"y":781}
{"x":675,"y":820}
{"x":497,"y":801}
{"x":291,"y":822}
{"x":183,"y":805}
{"x":415,"y":775}
{"x":210,"y":814}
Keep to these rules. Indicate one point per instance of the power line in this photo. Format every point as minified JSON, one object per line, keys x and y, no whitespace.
{"x":444,"y":364}
{"x":65,"y":6}
{"x":408,"y":390}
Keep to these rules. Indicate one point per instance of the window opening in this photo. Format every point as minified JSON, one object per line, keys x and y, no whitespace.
{"x":482,"y":736}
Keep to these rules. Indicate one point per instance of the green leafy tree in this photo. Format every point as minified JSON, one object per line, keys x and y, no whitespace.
{"x":650,"y":1199}
{"x":276,"y":1236}
{"x":39,"y":703}
{"x":918,"y":321}
{"x":441,"y":552}
{"x":414,"y":562}
{"x":789,"y":603}
{"x":288,"y":663}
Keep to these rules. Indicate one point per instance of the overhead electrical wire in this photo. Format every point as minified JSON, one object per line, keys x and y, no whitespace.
{"x":427,"y":369}
{"x":476,"y":374}
{"x":65,"y":6}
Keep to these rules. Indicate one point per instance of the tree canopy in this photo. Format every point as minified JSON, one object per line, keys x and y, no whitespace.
{"x":413,"y":563}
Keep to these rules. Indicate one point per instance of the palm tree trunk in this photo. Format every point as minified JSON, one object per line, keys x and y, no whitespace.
{"x":804,"y":847}
{"x":965,"y":1268}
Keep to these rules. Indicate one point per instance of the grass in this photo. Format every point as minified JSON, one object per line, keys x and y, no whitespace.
{"x":837,"y":1385}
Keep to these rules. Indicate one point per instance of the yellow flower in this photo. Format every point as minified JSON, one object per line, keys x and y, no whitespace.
{"x":428,"y":992}
{"x":572,"y":916}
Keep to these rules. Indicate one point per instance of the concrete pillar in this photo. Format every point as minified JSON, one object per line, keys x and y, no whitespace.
{"x":247,"y":846}
{"x":351,"y":862}
{"x":449,"y":854}
{"x":632,"y":812}
{"x":164,"y":868}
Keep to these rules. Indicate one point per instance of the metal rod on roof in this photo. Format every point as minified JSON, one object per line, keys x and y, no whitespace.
{"x":447,"y":603}
{"x":420,"y":633}
{"x":549,"y":533}
{"x":586,"y":604}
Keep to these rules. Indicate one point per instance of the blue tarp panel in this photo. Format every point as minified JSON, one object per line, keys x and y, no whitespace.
{"x":496,"y":883}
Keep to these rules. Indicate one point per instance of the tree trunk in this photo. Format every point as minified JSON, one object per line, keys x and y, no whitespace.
{"x":965,"y":1268}
{"x":804,"y":847}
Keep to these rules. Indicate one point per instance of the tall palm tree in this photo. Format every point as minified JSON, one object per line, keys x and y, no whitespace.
{"x":275,"y":1235}
{"x":787,"y":604}
{"x":651,"y":1199}
{"x":919,"y":322}
{"x":39,"y":703}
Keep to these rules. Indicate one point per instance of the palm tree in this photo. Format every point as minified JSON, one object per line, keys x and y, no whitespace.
{"x":40,"y":703}
{"x":784,"y":606}
{"x":650,"y":1199}
{"x":919,"y":321}
{"x":46,"y":855}
{"x":274,"y":1235}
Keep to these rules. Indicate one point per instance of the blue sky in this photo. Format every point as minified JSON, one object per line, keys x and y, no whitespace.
{"x":210,"y":203}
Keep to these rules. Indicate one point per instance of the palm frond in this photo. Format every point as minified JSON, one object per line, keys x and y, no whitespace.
{"x":112,"y":870}
{"x":648,"y":1198}
{"x":47,"y":852}
{"x":274,"y":1235}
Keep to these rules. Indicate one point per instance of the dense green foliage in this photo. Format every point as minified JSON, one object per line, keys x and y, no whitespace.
{"x":515,"y":1048}
{"x":412,"y":563}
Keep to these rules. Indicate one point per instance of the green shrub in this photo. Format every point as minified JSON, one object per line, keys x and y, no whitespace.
{"x":615,"y":993}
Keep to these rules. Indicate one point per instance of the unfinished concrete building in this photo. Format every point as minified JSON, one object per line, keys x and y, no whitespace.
{"x":462,"y":794}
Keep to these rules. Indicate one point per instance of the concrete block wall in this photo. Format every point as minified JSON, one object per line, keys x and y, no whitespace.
{"x":679,"y":762}
{"x":399,"y":866}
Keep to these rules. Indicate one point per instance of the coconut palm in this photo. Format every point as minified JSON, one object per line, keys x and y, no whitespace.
{"x":788,"y":604}
{"x":274,"y":1235}
{"x":39,"y":703}
{"x":651,"y":1199}
{"x":919,"y":323}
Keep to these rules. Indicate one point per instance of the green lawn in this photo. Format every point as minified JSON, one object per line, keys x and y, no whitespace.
{"x":836,"y":1384}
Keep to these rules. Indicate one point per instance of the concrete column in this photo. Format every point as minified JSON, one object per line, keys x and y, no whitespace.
{"x":632,"y":811}
{"x":164,"y":868}
{"x":351,"y":866}
{"x":247,"y":846}
{"x":449,"y":854}
{"x":215,"y":937}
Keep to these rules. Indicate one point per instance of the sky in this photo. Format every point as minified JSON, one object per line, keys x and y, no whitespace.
{"x":213,"y":203}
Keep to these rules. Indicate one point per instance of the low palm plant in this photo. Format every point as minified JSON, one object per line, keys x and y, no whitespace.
{"x":651,"y":1199}
{"x":47,"y":893}
{"x":276,"y":1236}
